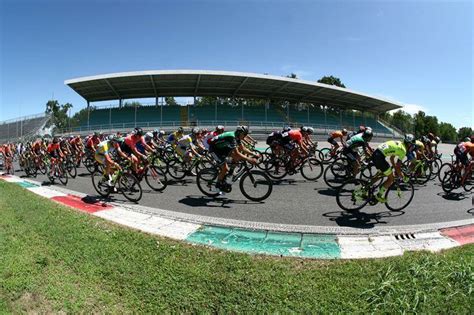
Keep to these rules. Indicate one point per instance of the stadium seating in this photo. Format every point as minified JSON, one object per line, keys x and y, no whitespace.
{"x":21,"y":128}
{"x":153,"y":115}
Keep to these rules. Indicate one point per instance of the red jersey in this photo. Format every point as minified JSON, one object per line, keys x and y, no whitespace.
{"x":53,"y":147}
{"x":92,"y":142}
{"x":6,"y":149}
{"x":295,"y":135}
{"x":132,"y":140}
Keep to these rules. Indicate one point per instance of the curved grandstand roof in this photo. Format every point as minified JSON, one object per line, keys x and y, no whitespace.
{"x":148,"y":84}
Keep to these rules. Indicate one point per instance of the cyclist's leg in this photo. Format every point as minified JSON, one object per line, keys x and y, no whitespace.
{"x":382,"y":165}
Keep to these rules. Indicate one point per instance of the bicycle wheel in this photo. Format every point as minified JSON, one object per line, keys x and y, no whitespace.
{"x":71,"y":169}
{"x":256,"y":185}
{"x":62,"y":174}
{"x":176,"y":169}
{"x":312,"y":169}
{"x":325,"y":155}
{"x":130,"y":187}
{"x":336,"y":173}
{"x":435,"y":167}
{"x":449,"y":181}
{"x":155,"y":177}
{"x":445,"y":167}
{"x":100,"y":184}
{"x":275,"y":168}
{"x":422,"y":173}
{"x":206,"y":181}
{"x":353,"y":195}
{"x":399,"y":195}
{"x":89,"y":163}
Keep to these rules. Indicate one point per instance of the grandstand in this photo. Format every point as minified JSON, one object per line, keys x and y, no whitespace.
{"x":322,"y":106}
{"x":23,"y":127}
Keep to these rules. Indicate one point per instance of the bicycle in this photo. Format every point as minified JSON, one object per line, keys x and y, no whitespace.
{"x":57,"y":170}
{"x":356,"y":193}
{"x":420,"y":173}
{"x":453,"y":179}
{"x":122,"y":181}
{"x":278,"y":167}
{"x":255,"y":185}
{"x":342,"y":169}
{"x":154,"y":176}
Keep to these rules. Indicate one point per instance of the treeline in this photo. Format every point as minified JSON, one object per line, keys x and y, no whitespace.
{"x":421,"y":124}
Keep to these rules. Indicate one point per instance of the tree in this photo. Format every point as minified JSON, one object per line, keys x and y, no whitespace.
{"x":170,"y":101}
{"x":132,"y":104}
{"x":447,"y":132}
{"x":331,"y":81}
{"x":431,"y":124}
{"x":464,"y":132}
{"x":419,"y":124}
{"x":402,"y":121}
{"x":59,"y":114}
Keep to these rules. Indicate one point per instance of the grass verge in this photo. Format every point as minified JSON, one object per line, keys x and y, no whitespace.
{"x":55,"y":259}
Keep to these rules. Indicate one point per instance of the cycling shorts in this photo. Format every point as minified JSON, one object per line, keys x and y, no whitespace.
{"x":54,"y":154}
{"x":381,"y":163}
{"x":351,"y":155}
{"x":332,"y":141}
{"x":461,"y":156}
{"x":220,"y":154}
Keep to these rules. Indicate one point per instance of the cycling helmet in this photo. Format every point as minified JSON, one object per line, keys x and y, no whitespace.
{"x":437,"y":139}
{"x":344,"y":131}
{"x":195,"y":131}
{"x":409,"y":139}
{"x":467,"y":139}
{"x":362,"y":128}
{"x":304,"y":129}
{"x":220,"y":128}
{"x":431,"y":136}
{"x":55,"y":140}
{"x":149,"y":134}
{"x":367,"y":135}
{"x":156,"y":131}
{"x":286,"y":128}
{"x":137,"y":131}
{"x":424,"y":139}
{"x":472,"y":139}
{"x":161,"y":133}
{"x":310,"y":130}
{"x":112,"y":138}
{"x":242,"y":130}
{"x":180,"y":130}
{"x":96,"y":134}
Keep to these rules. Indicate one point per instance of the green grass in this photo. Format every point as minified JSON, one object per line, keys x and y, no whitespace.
{"x":55,"y":259}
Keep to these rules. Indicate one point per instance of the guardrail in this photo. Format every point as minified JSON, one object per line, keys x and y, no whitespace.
{"x":258,"y":128}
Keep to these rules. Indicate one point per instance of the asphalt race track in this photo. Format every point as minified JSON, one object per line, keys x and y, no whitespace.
{"x":295,"y":201}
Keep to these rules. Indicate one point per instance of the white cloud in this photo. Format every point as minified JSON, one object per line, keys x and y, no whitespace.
{"x":413,"y":108}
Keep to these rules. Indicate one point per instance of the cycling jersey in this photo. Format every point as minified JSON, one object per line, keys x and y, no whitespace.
{"x":393,"y":148}
{"x":336,"y":134}
{"x":206,"y":140}
{"x":174,"y":136}
{"x":186,"y":142}
{"x":92,"y":142}
{"x":105,"y":147}
{"x":225,"y":140}
{"x":274,"y":138}
{"x":295,"y":135}
{"x":132,"y":141}
{"x":419,"y":145}
{"x":356,"y":142}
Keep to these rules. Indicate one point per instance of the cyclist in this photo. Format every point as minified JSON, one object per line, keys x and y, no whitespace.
{"x":130,"y":147}
{"x":461,"y":151}
{"x":229,"y":145}
{"x":361,"y":129}
{"x":206,"y":139}
{"x":189,"y":145}
{"x":92,"y":143}
{"x":332,"y":139}
{"x":158,"y":137}
{"x":175,"y":136}
{"x":360,"y":140}
{"x":7,"y":156}
{"x":54,"y":152}
{"x":393,"y":150}
{"x":104,"y":155}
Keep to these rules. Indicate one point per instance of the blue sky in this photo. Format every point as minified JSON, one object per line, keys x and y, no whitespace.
{"x":419,"y":53}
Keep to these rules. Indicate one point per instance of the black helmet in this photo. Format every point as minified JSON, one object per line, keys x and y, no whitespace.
{"x":367,"y":135}
{"x":310,"y":130}
{"x":425,"y":139}
{"x":472,"y":138}
{"x":286,"y":128}
{"x":437,"y":139}
{"x":180,"y":130}
{"x":409,"y":139}
{"x":138,"y":131}
{"x":242,"y":130}
{"x":304,"y":129}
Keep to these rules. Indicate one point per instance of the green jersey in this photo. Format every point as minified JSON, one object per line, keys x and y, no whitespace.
{"x":393,"y":148}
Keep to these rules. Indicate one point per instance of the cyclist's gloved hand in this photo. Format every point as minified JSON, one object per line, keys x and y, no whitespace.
{"x":406,"y":179}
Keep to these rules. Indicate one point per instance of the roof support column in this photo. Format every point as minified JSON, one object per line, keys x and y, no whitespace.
{"x":325,"y":119}
{"x":242,"y":112}
{"x":354,"y":119}
{"x":161,"y":113}
{"x":135,"y":117}
{"x":288,"y":112}
{"x":120,"y":103}
{"x":215,"y":112}
{"x":88,"y":117}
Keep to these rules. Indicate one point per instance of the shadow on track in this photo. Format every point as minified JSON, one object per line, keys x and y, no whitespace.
{"x":221,"y":202}
{"x":361,"y":220}
{"x":454,"y":196}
